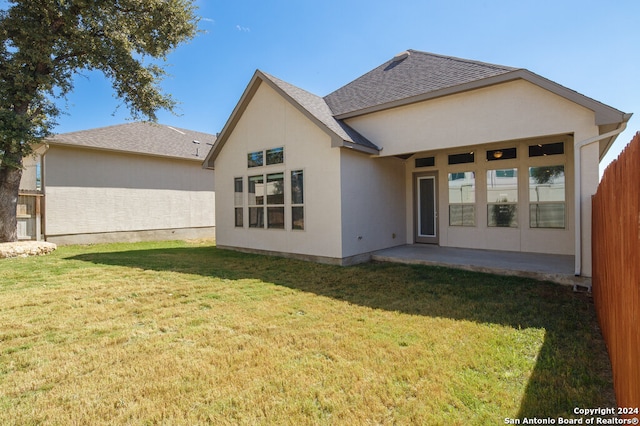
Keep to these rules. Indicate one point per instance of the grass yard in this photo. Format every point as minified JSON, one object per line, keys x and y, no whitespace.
{"x":184,"y":333}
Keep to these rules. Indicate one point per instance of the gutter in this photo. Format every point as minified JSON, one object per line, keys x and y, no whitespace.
{"x":577,"y":159}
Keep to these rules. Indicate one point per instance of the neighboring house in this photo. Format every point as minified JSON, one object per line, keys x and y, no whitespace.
{"x":129,"y":182}
{"x":423,"y":149}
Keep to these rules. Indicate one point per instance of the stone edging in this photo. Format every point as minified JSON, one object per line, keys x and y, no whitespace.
{"x":25,"y":248}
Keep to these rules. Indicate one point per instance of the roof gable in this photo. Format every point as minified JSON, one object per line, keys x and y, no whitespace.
{"x":141,"y":138}
{"x":312,"y":106}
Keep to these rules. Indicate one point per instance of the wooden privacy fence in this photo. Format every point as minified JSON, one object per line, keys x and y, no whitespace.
{"x":616,"y":270}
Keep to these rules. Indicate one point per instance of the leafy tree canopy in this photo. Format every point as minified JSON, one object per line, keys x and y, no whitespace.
{"x":45,"y":42}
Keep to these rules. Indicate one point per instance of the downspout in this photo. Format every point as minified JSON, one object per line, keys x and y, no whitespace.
{"x":43,"y":212}
{"x":577,"y":159}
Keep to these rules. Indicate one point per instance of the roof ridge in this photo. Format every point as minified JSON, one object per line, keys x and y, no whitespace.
{"x":467,"y":61}
{"x":111,"y":126}
{"x":408,"y":76}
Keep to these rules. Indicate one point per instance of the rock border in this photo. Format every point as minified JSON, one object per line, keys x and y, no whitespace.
{"x":25,"y":249}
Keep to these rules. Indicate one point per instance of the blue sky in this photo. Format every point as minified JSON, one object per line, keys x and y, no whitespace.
{"x":588,"y":46}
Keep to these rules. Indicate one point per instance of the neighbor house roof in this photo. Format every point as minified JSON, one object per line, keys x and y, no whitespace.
{"x":141,"y":138}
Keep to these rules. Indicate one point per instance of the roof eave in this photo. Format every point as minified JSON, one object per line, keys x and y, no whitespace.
{"x":604,"y":114}
{"x":609,"y":142}
{"x":54,"y":142}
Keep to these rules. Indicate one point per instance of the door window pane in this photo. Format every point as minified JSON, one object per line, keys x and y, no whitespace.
{"x":426,"y":190}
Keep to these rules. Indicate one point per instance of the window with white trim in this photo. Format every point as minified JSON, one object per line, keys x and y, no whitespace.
{"x":238,"y":202}
{"x":502,"y":198}
{"x":297,"y":200}
{"x":547,"y":197}
{"x":462,"y":199}
{"x":275,"y":200}
{"x":256,"y":201}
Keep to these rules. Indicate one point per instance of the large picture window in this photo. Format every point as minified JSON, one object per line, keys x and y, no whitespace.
{"x":266,"y":201}
{"x":547,"y":197}
{"x":502,"y":198}
{"x":462,"y":199}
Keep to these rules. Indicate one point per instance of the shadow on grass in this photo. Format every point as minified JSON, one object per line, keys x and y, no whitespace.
{"x":572,"y":368}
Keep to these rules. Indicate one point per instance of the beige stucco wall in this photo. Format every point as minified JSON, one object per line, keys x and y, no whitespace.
{"x":92,"y":191}
{"x":507,"y":111}
{"x":373,"y":203}
{"x":270,"y":121}
{"x":484,"y":119}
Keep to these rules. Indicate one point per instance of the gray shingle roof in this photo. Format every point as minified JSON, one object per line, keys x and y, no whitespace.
{"x":141,"y":138}
{"x":415,"y":77}
{"x":318,"y":108}
{"x":420,"y":73}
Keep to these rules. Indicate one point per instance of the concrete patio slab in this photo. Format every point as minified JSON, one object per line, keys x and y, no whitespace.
{"x":539,"y":266}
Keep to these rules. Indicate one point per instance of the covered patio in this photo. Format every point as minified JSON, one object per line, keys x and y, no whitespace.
{"x":544,"y":267}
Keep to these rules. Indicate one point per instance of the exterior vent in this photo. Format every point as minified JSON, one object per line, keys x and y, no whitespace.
{"x":401,"y":56}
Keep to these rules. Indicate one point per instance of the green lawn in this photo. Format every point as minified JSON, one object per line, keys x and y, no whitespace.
{"x":184,"y":333}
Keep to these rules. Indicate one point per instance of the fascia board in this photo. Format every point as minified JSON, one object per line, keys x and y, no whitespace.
{"x":604,"y":114}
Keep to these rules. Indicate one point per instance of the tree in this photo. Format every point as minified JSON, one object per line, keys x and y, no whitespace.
{"x":44,"y":43}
